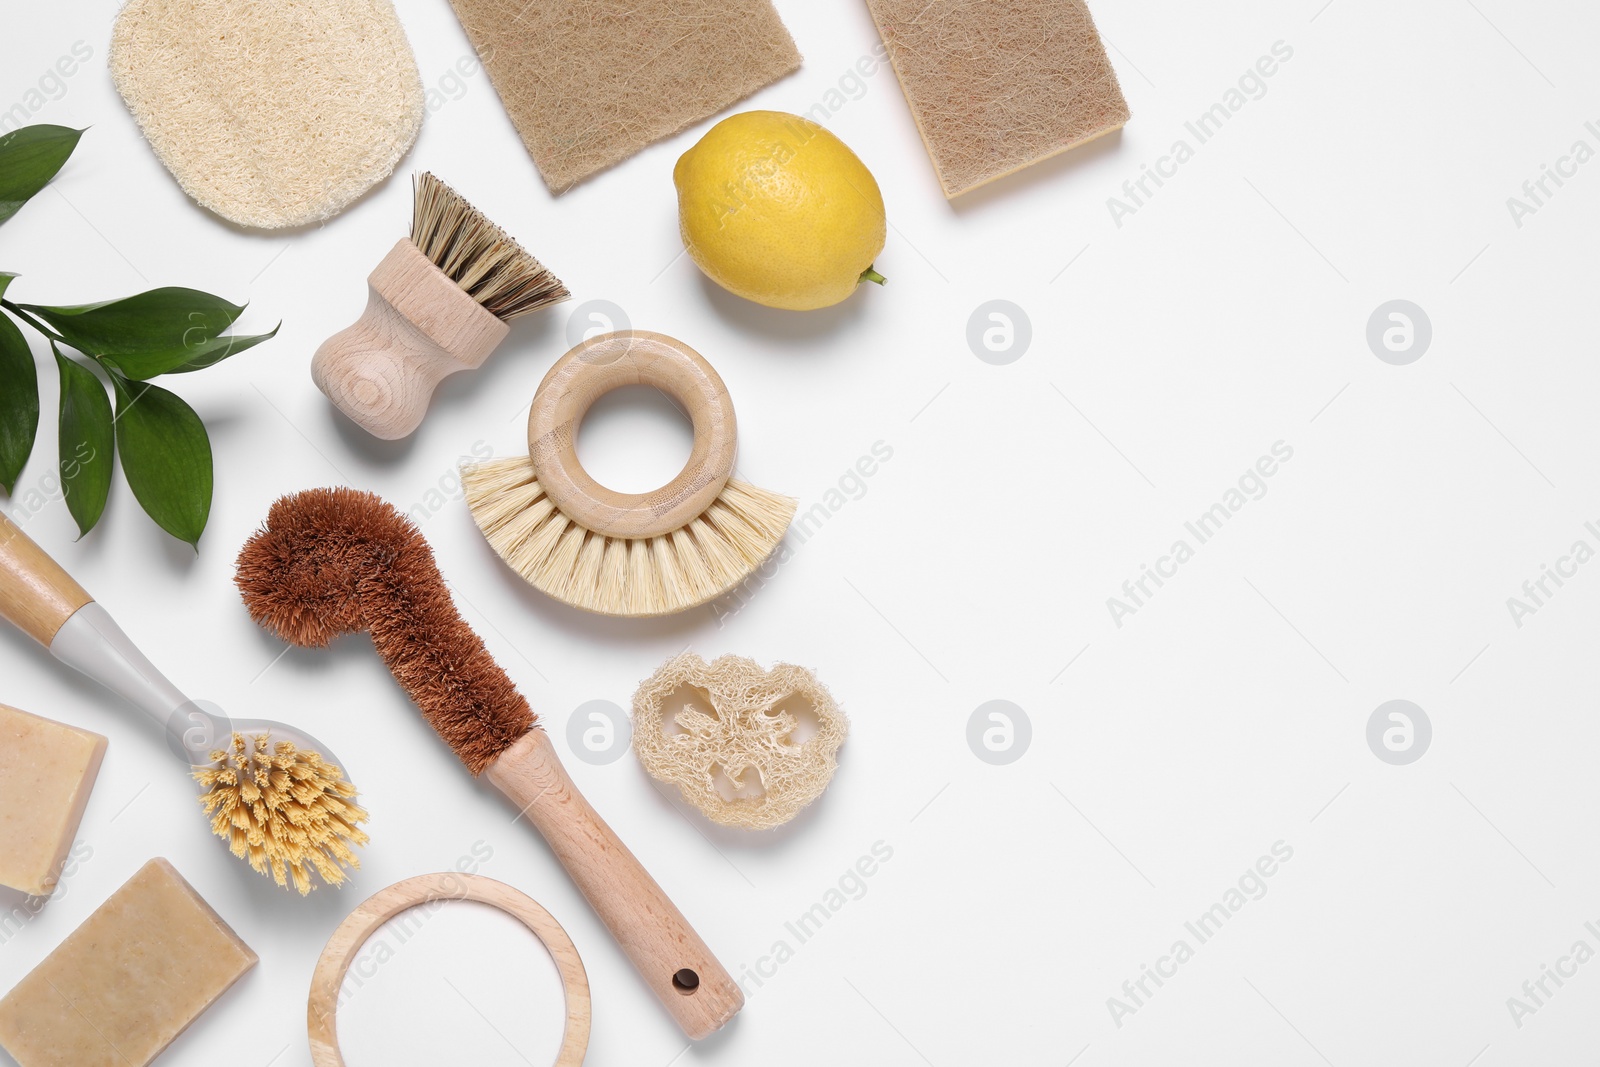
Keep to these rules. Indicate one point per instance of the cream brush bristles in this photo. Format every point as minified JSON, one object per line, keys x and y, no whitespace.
{"x":626,"y":576}
{"x":631,"y":554}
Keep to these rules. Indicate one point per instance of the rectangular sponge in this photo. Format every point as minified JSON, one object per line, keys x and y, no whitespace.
{"x":587,"y":83}
{"x":47,"y":770}
{"x":998,"y":85}
{"x":127,"y":982}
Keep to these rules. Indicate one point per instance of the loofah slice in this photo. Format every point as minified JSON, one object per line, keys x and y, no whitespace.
{"x":750,"y":748}
{"x":587,"y":83}
{"x":995,"y":87}
{"x":270,"y":113}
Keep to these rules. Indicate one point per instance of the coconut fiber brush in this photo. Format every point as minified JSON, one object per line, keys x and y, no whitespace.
{"x":273,"y":793}
{"x":337,"y":561}
{"x":438,"y":303}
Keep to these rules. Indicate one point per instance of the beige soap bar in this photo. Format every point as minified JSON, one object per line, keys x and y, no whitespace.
{"x":47,"y":770}
{"x":128,"y":981}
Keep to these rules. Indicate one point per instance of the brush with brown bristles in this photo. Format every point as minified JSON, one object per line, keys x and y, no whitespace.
{"x":438,"y":303}
{"x":272,"y":792}
{"x":336,"y":561}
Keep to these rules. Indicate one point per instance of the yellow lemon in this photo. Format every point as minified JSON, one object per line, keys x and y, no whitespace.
{"x":778,"y":210}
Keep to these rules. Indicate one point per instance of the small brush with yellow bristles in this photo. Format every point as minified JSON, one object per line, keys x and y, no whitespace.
{"x":273,"y":793}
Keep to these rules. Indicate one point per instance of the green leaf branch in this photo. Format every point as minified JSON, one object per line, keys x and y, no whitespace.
{"x":163,"y":447}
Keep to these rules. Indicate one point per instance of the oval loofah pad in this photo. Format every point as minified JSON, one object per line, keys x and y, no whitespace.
{"x":270,"y":113}
{"x":729,"y":741}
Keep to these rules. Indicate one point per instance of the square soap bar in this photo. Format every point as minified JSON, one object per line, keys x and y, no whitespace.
{"x":126,"y":983}
{"x":47,"y":770}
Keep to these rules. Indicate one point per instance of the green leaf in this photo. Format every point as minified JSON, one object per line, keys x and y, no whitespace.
{"x":166,"y":457}
{"x":143,"y":365}
{"x":19,"y":401}
{"x":29,"y":158}
{"x":169,"y":322}
{"x":85,"y":446}
{"x":5,"y":280}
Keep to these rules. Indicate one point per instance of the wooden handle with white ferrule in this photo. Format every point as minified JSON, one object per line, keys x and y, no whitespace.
{"x":36,"y":595}
{"x":694,"y":988}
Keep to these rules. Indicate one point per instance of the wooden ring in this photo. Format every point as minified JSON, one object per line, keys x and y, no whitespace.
{"x":588,"y":372}
{"x":346,"y":942}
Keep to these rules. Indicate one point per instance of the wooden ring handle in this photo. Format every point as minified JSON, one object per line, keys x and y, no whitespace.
{"x":588,"y":372}
{"x":346,"y":942}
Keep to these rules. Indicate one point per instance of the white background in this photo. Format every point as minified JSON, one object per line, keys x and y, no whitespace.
{"x":1228,"y":313}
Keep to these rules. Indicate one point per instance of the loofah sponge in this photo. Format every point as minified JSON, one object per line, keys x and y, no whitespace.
{"x":587,"y":83}
{"x":750,"y":748}
{"x":997,"y":86}
{"x":270,"y":113}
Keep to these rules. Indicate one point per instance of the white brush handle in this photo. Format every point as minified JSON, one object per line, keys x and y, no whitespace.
{"x":43,"y":601}
{"x":418,"y":328}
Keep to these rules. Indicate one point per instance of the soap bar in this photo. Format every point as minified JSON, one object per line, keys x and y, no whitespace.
{"x":127,"y":982}
{"x":47,"y":770}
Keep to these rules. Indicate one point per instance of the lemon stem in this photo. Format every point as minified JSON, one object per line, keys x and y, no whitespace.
{"x":870,"y":275}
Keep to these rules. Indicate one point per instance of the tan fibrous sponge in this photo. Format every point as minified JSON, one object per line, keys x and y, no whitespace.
{"x":749,"y":747}
{"x":338,"y":561}
{"x":588,"y":83}
{"x":270,"y":113}
{"x":998,"y":85}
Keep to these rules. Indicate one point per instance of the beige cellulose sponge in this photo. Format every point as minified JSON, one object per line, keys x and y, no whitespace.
{"x":270,"y":113}
{"x":587,"y":83}
{"x":999,"y":84}
{"x":750,"y":748}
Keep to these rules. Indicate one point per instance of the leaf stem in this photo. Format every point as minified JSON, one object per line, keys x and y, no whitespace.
{"x":31,"y":321}
{"x":870,"y":275}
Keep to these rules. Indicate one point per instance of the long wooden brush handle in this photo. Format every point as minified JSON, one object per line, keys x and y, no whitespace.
{"x":36,"y":595}
{"x":696,"y":989}
{"x":418,"y":327}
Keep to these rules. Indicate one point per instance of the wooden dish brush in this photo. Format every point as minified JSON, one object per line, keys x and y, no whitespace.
{"x":272,"y":792}
{"x":336,"y":561}
{"x":628,"y":554}
{"x":438,"y":303}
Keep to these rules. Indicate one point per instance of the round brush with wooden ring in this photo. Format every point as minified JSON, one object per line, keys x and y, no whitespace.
{"x":337,"y":561}
{"x":630,"y":554}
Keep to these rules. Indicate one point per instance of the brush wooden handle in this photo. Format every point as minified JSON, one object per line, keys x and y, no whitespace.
{"x":418,"y":327}
{"x":593,"y":369}
{"x":36,"y":595}
{"x":694,"y":988}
